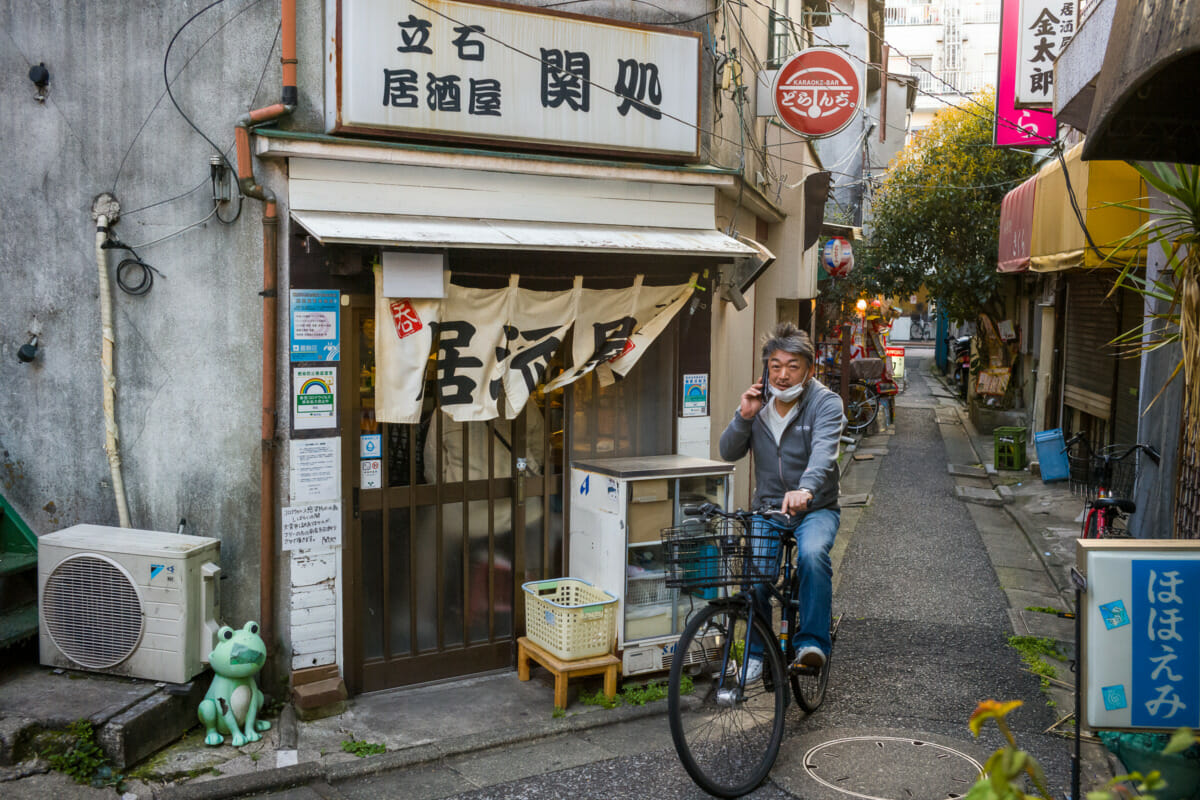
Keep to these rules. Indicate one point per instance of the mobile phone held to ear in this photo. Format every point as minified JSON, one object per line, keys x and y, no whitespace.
{"x":766,"y":384}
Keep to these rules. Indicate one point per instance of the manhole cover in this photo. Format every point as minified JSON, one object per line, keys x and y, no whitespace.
{"x":891,"y":768}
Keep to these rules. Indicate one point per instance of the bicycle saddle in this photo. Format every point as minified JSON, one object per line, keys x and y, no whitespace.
{"x":1123,"y":505}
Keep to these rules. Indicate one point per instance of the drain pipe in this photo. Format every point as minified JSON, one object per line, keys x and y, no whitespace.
{"x":106,"y":210}
{"x":270,"y":222}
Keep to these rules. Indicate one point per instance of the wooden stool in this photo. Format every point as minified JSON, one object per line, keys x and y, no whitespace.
{"x":562,"y":670}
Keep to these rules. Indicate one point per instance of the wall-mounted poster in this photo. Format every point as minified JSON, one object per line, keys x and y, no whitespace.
{"x":314,"y":314}
{"x":314,"y":398}
{"x":316,"y":470}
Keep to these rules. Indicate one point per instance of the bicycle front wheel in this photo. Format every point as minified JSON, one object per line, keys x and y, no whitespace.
{"x":727,"y":741}
{"x":862,"y":405}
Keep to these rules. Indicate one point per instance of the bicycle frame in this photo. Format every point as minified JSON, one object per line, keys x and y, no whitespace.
{"x":787,"y":606}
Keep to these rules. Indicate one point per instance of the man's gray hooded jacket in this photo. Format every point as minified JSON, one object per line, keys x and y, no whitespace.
{"x":805,"y":458}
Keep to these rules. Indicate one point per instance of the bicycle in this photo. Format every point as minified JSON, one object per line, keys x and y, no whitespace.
{"x":920,"y":330}
{"x":1106,"y":480}
{"x":729,"y":744}
{"x":862,"y":406}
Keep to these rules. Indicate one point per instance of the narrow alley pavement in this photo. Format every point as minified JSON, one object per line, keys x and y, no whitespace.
{"x":923,"y":638}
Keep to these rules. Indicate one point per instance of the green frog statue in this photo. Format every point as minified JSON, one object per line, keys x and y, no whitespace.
{"x":233,"y":700}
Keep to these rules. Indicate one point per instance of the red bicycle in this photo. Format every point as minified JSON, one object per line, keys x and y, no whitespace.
{"x":1106,"y":479}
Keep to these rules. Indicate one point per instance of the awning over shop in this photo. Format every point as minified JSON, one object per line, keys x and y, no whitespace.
{"x":337,"y":227}
{"x":1057,"y":241}
{"x":1016,"y":227}
{"x":346,"y":202}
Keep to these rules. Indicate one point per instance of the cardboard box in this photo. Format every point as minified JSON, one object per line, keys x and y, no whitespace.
{"x":651,"y":491}
{"x":647,"y":519}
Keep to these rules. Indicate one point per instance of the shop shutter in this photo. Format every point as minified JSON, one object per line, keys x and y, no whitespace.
{"x":1128,"y":373}
{"x":1093,"y":321}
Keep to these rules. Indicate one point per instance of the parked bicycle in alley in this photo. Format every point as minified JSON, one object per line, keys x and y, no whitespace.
{"x":1106,"y":478}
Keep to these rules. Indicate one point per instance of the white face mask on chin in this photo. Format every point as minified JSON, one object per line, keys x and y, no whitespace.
{"x":789,"y":394}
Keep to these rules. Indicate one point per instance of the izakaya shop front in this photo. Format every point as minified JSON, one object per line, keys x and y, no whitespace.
{"x":472,"y":404}
{"x":499,"y":315}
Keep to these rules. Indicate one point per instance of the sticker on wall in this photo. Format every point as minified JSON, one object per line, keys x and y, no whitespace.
{"x":695,"y":395}
{"x":315,"y":325}
{"x":1114,"y":614}
{"x":371,"y":473}
{"x":314,"y":398}
{"x":1114,"y":697}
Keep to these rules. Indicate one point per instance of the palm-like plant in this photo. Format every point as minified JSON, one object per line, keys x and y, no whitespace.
{"x":1176,"y":229}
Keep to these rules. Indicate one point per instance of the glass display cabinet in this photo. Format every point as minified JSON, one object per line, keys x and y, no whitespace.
{"x":618,"y":508}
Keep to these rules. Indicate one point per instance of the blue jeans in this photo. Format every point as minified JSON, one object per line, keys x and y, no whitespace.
{"x":814,"y":590}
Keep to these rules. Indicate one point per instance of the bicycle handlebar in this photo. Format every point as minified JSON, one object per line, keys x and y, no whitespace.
{"x":1110,"y":457}
{"x":710,"y":510}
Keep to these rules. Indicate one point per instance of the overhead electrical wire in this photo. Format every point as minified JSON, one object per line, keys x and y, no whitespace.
{"x":665,"y":114}
{"x":179,"y":72}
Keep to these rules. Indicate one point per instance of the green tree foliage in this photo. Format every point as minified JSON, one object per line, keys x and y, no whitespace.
{"x":925,"y":228}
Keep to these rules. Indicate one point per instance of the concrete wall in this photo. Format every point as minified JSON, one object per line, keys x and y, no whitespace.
{"x":188,"y":352}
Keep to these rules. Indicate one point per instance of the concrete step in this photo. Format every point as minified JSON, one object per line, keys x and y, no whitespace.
{"x":18,"y":624}
{"x":133,"y":719}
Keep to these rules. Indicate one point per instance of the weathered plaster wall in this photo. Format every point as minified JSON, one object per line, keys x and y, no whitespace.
{"x":188,"y":354}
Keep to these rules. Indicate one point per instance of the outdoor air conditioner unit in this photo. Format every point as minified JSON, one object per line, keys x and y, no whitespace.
{"x":128,"y":602}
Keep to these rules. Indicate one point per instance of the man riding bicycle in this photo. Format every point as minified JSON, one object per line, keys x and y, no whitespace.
{"x":793,"y":424}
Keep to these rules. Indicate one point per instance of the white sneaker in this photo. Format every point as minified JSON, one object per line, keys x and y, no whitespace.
{"x":810,"y":656}
{"x":754,"y":668}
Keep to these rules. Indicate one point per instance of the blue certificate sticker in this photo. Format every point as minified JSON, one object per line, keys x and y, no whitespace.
{"x":315,"y":324}
{"x":1114,"y":697}
{"x":370,"y":445}
{"x":1114,"y":614}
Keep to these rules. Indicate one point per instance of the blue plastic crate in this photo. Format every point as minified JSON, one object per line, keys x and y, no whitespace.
{"x":1052,"y":455}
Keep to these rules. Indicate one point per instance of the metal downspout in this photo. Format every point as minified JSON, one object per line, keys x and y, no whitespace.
{"x":250,"y":188}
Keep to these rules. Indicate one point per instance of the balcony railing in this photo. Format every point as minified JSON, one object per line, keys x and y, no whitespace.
{"x":914,"y":14}
{"x":965,"y":81}
{"x":986,"y":12}
{"x":918,"y":13}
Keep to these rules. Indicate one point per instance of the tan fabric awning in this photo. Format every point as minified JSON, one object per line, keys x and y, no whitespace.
{"x":1057,"y":241}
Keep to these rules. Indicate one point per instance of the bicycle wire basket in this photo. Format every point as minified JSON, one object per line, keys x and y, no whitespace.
{"x":1122,"y":473}
{"x":720,"y":552}
{"x":1083,"y":468}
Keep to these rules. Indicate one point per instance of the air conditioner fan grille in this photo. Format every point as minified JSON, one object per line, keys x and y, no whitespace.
{"x":92,"y":611}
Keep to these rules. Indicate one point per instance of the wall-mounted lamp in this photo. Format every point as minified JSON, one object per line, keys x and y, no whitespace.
{"x":28,"y":351}
{"x":41,"y":79}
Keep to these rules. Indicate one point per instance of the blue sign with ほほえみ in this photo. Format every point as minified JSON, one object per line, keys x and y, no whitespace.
{"x":1165,"y":653}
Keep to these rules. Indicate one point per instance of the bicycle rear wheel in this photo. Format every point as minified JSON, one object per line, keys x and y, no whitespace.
{"x":730,"y":741}
{"x":862,"y":405}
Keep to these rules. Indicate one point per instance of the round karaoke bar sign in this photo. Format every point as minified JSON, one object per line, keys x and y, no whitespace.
{"x":817,"y":92}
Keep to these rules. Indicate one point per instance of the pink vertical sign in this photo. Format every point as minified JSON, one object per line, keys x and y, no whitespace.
{"x":1019,"y":127}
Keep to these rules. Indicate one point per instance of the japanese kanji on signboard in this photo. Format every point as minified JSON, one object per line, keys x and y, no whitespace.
{"x":1046,"y":29}
{"x":524,"y":76}
{"x":817,"y":92}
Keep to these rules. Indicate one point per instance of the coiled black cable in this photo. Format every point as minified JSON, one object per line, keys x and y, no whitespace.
{"x":145,"y":274}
